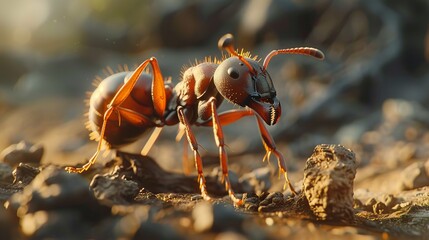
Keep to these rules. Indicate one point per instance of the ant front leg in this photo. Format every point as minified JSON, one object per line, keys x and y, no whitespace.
{"x":270,"y":147}
{"x":158,"y":97}
{"x":231,"y":116}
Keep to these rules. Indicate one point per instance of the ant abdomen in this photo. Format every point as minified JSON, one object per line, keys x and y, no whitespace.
{"x":122,"y":129}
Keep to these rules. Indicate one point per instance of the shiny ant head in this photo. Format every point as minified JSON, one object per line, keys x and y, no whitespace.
{"x":244,"y":82}
{"x":250,"y":87}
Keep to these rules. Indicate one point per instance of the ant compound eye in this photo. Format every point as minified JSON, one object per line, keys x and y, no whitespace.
{"x":233,"y":73}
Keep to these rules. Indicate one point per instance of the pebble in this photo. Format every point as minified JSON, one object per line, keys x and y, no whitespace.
{"x":389,"y":200}
{"x":23,"y":174}
{"x":265,"y":202}
{"x":272,"y":202}
{"x":216,"y":217}
{"x":196,"y":197}
{"x":136,"y":224}
{"x":384,"y":204}
{"x":203,"y":216}
{"x":251,"y":202}
{"x":379,"y":208}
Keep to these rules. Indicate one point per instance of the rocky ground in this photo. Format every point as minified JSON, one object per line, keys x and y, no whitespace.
{"x":354,"y":129}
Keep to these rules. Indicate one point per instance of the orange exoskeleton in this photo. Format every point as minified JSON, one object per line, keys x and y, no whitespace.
{"x":126,"y":104}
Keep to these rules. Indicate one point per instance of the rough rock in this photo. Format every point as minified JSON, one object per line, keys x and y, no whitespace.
{"x":56,"y":204}
{"x":113,"y":190}
{"x":8,"y":225}
{"x":267,"y":202}
{"x":328,"y":182}
{"x":53,"y":188}
{"x":149,"y":175}
{"x":5,"y":173}
{"x":23,"y":174}
{"x":22,"y":152}
{"x":271,"y":202}
{"x":414,"y":176}
{"x":13,"y":181}
{"x":251,"y":202}
{"x":54,"y":224}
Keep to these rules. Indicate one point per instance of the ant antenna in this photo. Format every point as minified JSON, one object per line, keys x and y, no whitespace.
{"x":308,"y":51}
{"x":227,"y":42}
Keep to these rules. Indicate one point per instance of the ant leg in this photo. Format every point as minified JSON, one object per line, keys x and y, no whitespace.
{"x":228,"y":117}
{"x":219,"y":138}
{"x":155,"y":134}
{"x":158,"y":96}
{"x":185,"y":158}
{"x":158,"y":89}
{"x":194,"y":146}
{"x":270,"y":147}
{"x":231,"y":116}
{"x":92,"y":160}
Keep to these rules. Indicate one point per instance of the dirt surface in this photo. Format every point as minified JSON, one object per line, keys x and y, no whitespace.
{"x":136,"y":198}
{"x":354,"y":127}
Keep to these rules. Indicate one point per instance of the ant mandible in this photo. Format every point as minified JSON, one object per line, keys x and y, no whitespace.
{"x":127,"y":104}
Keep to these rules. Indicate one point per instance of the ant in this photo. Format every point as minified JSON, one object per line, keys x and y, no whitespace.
{"x":127,"y":104}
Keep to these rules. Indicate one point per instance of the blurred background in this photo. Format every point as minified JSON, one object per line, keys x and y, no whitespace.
{"x":370,"y":94}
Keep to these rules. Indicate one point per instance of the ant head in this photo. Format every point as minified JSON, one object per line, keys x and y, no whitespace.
{"x":243,"y":81}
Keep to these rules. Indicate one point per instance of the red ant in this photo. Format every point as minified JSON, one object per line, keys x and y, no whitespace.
{"x":127,"y":104}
